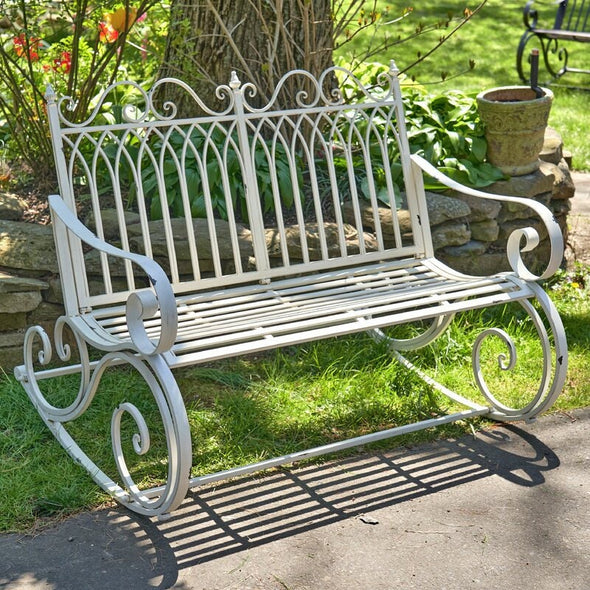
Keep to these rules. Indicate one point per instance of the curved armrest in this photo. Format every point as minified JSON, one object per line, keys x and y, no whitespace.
{"x":531,"y":237}
{"x":141,"y":304}
{"x":530,"y":15}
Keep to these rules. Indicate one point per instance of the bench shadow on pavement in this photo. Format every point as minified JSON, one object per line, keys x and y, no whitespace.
{"x":243,"y":514}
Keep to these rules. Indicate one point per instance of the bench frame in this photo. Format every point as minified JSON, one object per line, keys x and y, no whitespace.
{"x":366,"y":290}
{"x":572,"y":23}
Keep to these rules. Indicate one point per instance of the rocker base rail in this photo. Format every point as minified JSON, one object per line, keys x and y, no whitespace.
{"x":328,"y":449}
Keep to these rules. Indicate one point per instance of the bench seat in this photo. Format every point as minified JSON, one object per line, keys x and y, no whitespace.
{"x":223,"y":323}
{"x":581,"y":36}
{"x":571,"y":24}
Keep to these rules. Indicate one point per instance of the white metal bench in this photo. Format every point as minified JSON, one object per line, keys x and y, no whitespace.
{"x":284,"y":190}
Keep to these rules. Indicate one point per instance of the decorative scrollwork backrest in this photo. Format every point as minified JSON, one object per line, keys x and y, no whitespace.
{"x":241,"y":192}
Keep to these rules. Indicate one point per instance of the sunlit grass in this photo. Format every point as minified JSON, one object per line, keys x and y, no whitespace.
{"x":252,"y":408}
{"x":490,"y":39}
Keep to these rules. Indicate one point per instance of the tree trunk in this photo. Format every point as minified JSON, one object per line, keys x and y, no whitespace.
{"x":259,"y":39}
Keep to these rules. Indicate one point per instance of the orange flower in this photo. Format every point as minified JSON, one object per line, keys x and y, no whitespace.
{"x":122,"y":19}
{"x":63,"y":63}
{"x":24,"y":46}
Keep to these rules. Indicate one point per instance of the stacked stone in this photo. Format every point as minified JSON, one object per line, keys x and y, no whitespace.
{"x":29,"y":288}
{"x":490,"y":223}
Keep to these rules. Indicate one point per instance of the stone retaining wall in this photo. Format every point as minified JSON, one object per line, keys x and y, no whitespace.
{"x":468,"y":234}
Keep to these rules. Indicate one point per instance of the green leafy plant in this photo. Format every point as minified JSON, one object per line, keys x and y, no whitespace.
{"x":572,"y":284}
{"x":447,"y":131}
{"x":180,"y":162}
{"x":444,"y":128}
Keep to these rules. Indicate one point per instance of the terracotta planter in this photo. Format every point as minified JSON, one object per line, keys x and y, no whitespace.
{"x":515,"y":121}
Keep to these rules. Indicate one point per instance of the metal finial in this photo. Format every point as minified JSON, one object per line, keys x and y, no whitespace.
{"x":50,"y":95}
{"x":393,"y":69}
{"x":234,"y":82}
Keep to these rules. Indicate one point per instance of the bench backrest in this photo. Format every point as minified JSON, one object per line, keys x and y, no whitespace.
{"x":240,"y":194}
{"x":573,"y":15}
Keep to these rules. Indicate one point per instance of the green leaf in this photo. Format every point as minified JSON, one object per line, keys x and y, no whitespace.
{"x":479,"y":148}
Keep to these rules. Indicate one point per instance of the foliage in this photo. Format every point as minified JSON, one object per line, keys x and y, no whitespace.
{"x":364,"y":30}
{"x":179,"y":163}
{"x":174,"y":166}
{"x":572,"y":284}
{"x":77,"y":47}
{"x":445,"y":128}
{"x":489,"y":40}
{"x":263,"y":41}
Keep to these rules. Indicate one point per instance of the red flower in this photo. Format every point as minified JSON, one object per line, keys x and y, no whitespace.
{"x":63,"y":63}
{"x":28,"y":47}
{"x":107,"y":33}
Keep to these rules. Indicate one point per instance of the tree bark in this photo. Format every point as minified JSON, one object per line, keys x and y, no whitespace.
{"x":259,"y":39}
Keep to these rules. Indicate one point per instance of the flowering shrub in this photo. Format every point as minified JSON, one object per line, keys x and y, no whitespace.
{"x":77,"y":47}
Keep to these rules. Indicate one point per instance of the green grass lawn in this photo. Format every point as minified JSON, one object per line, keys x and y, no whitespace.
{"x":252,"y":408}
{"x":490,"y":39}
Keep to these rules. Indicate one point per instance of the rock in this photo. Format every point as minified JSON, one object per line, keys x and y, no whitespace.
{"x":443,"y":208}
{"x":13,"y":321}
{"x":202,"y":238}
{"x":471,"y":249}
{"x":10,"y":284}
{"x":12,"y":207}
{"x":480,"y":265}
{"x":384,"y":215}
{"x":509,"y":226}
{"x":110,"y":222}
{"x":46,"y":313}
{"x":511,"y":211}
{"x":27,"y":246}
{"x":552,"y":147}
{"x":529,"y":185}
{"x":11,"y":350}
{"x":480,"y":209}
{"x":313,"y":241}
{"x":450,"y":234}
{"x":561,"y":207}
{"x":485,"y":231}
{"x":54,"y":293}
{"x":563,"y":187}
{"x":16,"y":302}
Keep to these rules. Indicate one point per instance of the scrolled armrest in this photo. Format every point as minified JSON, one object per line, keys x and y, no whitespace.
{"x":530,"y":15}
{"x":141,"y":304}
{"x":520,"y":240}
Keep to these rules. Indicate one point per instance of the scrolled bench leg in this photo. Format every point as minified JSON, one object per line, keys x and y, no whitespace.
{"x":548,"y":46}
{"x":520,"y":56}
{"x":555,"y":360}
{"x":553,"y":350}
{"x":438,"y":325}
{"x":159,"y":378}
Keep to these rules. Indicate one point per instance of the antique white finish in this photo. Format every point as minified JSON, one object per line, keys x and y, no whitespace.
{"x":326,"y":166}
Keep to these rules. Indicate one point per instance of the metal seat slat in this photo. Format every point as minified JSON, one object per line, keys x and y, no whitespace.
{"x":273,"y":312}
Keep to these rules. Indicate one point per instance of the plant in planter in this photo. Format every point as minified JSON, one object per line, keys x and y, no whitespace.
{"x":515,"y":119}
